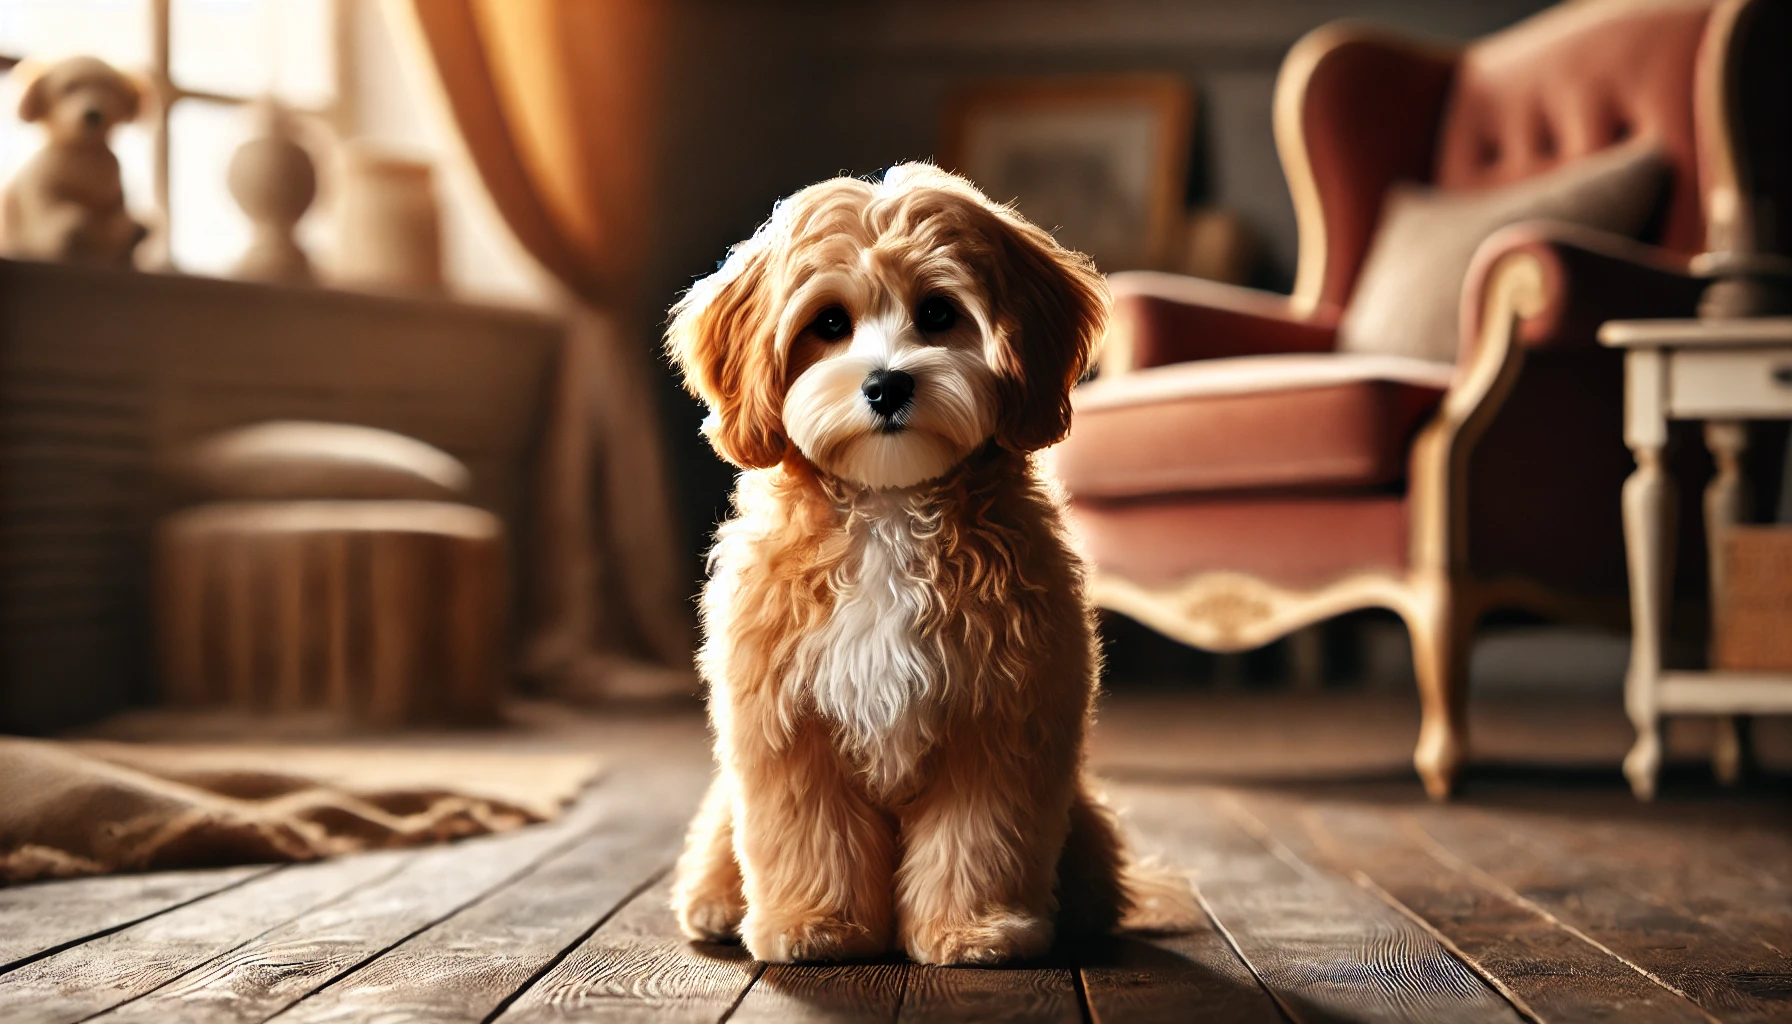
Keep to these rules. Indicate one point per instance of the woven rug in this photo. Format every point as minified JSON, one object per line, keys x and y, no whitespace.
{"x":94,"y":807}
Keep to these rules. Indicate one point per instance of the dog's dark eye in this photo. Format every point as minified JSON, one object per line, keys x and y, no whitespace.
{"x":935,"y":315}
{"x":832,"y":325}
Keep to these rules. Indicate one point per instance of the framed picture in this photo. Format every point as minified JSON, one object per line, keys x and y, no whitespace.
{"x":1100,"y":162}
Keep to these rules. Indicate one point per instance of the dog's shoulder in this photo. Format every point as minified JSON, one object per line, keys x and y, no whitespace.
{"x":779,"y":517}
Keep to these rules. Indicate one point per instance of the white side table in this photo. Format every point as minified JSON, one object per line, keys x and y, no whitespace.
{"x":1721,"y":372}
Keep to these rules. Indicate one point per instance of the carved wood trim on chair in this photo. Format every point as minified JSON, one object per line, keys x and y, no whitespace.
{"x":1288,"y":121}
{"x":1447,"y":601}
{"x":1231,"y":611}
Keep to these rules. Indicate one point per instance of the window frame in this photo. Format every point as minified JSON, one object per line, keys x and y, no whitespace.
{"x":336,"y":116}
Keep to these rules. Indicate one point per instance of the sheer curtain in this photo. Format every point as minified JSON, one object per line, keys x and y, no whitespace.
{"x":555,"y":100}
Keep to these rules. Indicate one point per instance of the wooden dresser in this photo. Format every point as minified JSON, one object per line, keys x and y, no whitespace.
{"x":103,"y":374}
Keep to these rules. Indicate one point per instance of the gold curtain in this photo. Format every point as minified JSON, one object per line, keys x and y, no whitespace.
{"x":555,"y":100}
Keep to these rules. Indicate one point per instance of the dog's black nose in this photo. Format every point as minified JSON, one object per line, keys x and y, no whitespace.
{"x":92,"y":117}
{"x":888,"y":391}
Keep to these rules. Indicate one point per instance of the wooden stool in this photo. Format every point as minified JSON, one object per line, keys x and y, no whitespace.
{"x":390,"y":612}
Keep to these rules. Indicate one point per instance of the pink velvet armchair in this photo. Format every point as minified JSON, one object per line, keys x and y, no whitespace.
{"x":1234,"y":477}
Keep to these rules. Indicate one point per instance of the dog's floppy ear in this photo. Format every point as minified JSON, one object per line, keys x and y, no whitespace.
{"x":34,"y":96}
{"x":1052,"y":309}
{"x":721,"y":339}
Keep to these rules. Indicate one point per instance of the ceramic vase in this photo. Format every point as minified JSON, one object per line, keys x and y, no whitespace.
{"x":388,"y":226}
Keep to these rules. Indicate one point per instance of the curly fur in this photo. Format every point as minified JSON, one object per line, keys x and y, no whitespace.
{"x":898,"y":641}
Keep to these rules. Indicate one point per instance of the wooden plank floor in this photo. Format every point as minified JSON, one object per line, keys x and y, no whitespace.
{"x":1333,"y":892}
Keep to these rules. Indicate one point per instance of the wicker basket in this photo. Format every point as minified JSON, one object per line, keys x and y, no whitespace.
{"x":1754,"y":622}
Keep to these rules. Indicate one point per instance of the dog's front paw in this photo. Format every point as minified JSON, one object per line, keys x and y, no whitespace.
{"x":995,"y":938}
{"x":782,"y":939}
{"x":709,"y":914}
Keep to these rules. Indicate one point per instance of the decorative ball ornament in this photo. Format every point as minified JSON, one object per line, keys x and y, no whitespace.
{"x":274,"y":180}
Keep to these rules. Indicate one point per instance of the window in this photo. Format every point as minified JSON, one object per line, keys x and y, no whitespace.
{"x":203,"y":61}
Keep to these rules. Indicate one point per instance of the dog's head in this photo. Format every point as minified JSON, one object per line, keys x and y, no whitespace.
{"x":79,"y":98}
{"x":887,"y":330}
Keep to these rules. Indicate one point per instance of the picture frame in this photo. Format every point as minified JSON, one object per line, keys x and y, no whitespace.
{"x":1100,"y":162}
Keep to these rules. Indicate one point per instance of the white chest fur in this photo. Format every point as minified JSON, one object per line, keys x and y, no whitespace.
{"x":867,"y":668}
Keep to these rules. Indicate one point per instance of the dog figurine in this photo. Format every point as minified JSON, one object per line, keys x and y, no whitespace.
{"x":898,"y":642}
{"x":67,"y":202}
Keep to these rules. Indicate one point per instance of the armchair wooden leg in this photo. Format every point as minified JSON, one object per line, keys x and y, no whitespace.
{"x":1441,"y":637}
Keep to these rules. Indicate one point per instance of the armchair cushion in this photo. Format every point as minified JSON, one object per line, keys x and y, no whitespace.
{"x":1295,"y":421}
{"x":1406,"y":300}
{"x":1294,"y":541}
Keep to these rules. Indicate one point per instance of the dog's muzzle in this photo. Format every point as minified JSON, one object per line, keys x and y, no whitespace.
{"x":888,"y":392}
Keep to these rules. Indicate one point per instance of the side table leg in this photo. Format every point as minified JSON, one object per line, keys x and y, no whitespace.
{"x":1725,"y":498}
{"x":1732,"y":752}
{"x":1648,"y":542}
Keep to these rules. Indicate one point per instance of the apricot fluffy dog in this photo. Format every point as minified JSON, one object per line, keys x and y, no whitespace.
{"x":897,"y":641}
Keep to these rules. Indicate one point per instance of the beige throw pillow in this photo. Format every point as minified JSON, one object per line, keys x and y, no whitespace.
{"x":1409,"y":291}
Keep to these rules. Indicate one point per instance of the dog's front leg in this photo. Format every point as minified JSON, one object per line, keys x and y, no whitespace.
{"x":706,"y":894}
{"x":980,"y":852}
{"x":817,"y":861}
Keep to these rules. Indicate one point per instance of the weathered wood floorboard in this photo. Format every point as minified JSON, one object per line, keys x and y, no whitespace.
{"x":1335,"y":901}
{"x":49,"y":915}
{"x":954,"y":995}
{"x":1733,"y":979}
{"x":1739,"y":881}
{"x":87,"y":979}
{"x":840,"y":994}
{"x":1144,"y":980}
{"x":1147,"y":979}
{"x":1555,"y":974}
{"x":464,"y":968}
{"x":277,"y":968}
{"x":637,"y":967}
{"x":1324,"y":948}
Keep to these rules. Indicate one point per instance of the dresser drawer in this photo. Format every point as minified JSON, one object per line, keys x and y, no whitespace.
{"x":1730,"y":383}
